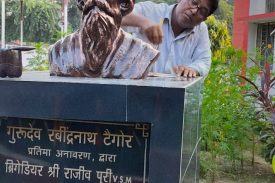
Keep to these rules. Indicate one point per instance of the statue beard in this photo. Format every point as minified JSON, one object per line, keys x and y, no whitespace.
{"x":98,"y":32}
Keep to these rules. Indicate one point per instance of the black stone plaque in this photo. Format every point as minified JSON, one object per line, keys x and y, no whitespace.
{"x":43,"y":151}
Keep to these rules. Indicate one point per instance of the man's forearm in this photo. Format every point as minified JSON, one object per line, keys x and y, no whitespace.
{"x":135,"y":20}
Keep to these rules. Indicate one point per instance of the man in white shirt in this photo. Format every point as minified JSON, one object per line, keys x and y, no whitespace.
{"x":178,"y":31}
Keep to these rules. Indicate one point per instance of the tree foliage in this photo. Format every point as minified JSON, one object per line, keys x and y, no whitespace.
{"x":219,"y":35}
{"x":230,"y":2}
{"x":40,"y":20}
{"x":74,"y":15}
{"x":225,"y":13}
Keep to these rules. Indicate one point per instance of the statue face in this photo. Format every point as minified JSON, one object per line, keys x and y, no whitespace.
{"x":102,"y":11}
{"x":106,"y":13}
{"x":101,"y":20}
{"x":113,"y":7}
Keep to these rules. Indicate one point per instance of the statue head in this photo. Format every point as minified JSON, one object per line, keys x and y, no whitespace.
{"x":100,"y":24}
{"x":100,"y":48}
{"x":105,"y":13}
{"x":113,"y":8}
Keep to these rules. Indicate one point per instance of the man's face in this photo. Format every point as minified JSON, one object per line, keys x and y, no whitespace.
{"x":190,"y":13}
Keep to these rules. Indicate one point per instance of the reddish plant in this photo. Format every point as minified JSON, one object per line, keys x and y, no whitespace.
{"x":266,"y":105}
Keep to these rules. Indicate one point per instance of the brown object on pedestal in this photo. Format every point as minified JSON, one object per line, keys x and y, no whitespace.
{"x":11,"y":61}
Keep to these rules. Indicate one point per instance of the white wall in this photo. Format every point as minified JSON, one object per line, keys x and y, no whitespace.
{"x":252,"y":38}
{"x":257,"y":7}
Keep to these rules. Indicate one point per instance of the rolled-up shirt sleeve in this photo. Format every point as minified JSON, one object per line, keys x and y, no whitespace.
{"x":150,"y":10}
{"x":201,"y":59}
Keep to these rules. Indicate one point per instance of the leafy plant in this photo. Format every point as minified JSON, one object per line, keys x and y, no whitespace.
{"x":59,"y":34}
{"x":39,"y":62}
{"x":227,"y":118}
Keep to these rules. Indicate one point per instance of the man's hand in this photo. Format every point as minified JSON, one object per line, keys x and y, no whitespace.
{"x":185,"y":71}
{"x":153,"y":32}
{"x":151,"y":29}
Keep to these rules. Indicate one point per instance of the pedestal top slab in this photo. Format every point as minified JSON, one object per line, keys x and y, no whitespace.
{"x":165,"y":81}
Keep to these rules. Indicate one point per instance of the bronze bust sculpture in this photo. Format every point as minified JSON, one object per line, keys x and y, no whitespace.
{"x":100,"y":48}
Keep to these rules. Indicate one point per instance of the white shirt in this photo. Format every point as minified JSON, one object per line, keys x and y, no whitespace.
{"x":191,"y":48}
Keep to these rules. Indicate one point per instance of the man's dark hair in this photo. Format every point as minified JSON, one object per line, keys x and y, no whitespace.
{"x":214,"y":6}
